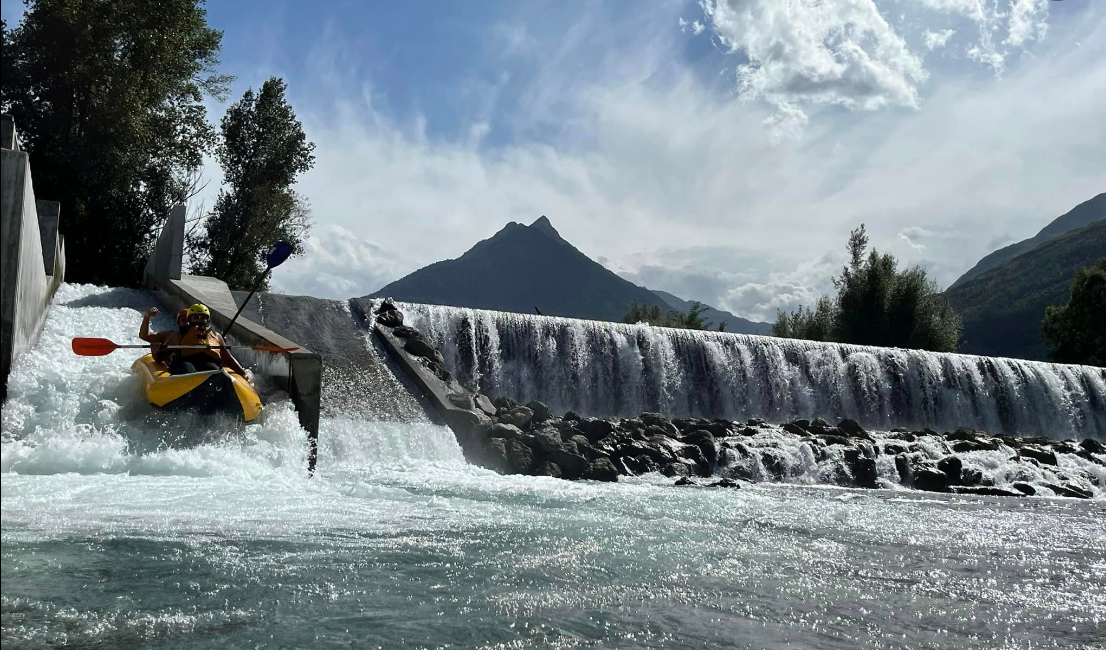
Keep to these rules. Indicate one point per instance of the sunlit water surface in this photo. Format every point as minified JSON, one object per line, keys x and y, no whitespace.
{"x":112,"y":538}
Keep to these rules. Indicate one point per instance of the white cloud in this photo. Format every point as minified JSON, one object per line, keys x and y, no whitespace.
{"x":680,"y":187}
{"x":1028,"y":21}
{"x":828,"y":53}
{"x":934,"y":40}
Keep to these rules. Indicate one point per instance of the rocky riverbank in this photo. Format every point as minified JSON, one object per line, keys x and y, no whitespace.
{"x":515,"y":438}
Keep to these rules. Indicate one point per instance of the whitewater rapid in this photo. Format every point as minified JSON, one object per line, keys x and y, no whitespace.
{"x":124,"y":527}
{"x":612,"y":369}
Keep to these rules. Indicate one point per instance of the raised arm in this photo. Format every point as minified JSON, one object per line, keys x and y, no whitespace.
{"x":144,"y":331}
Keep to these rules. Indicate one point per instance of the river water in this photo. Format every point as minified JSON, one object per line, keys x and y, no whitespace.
{"x":114,"y":538}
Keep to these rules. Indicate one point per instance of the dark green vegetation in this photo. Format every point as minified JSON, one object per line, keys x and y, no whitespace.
{"x":108,"y":99}
{"x":1076,"y":332}
{"x":693,"y":319}
{"x":262,"y":151}
{"x":523,"y":269}
{"x":877,"y":304}
{"x":1081,"y":215}
{"x":1002,"y":308}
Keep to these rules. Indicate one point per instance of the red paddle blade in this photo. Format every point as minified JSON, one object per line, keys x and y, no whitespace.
{"x":87,"y":347}
{"x":273,"y":348}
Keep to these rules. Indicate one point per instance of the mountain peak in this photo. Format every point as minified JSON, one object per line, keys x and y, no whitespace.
{"x":545,"y":226}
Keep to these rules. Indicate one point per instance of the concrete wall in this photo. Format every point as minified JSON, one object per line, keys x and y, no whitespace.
{"x":27,"y":280}
{"x":177,"y":290}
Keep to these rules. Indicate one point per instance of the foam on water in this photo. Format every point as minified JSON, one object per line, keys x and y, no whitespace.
{"x":125,"y":527}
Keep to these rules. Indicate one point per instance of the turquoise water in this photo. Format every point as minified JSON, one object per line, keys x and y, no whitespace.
{"x":112,"y":539}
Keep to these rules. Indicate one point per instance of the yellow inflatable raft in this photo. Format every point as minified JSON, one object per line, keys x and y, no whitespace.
{"x":213,"y":391}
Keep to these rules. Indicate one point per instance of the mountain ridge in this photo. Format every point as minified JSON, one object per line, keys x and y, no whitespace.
{"x":526,"y":268}
{"x":1081,"y":215}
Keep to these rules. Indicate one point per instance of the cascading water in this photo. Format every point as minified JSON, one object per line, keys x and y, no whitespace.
{"x":127,"y":527}
{"x":612,"y":369}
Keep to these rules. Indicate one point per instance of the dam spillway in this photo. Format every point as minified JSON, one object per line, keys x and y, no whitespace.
{"x":612,"y":369}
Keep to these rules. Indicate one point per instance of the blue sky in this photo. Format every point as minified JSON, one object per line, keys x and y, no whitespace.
{"x":720,"y":151}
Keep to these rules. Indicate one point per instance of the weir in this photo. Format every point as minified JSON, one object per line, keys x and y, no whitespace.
{"x":610,"y":369}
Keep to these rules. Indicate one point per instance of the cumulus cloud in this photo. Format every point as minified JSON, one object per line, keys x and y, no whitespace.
{"x":805,"y":53}
{"x":917,"y":237}
{"x":649,"y":164}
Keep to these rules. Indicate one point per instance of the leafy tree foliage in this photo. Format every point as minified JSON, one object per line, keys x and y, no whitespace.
{"x":262,"y":150}
{"x":877,"y":304}
{"x":654,"y":315}
{"x":107,"y":98}
{"x":1076,"y":332}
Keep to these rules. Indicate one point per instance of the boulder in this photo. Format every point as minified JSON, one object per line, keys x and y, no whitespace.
{"x":905,"y":469}
{"x":572,"y":416}
{"x":975,"y":445}
{"x":773,"y":463}
{"x":1086,"y":455}
{"x":1069,"y":491}
{"x":905,"y":436}
{"x":520,"y":416}
{"x":970,"y":476}
{"x":704,"y":440}
{"x":749,"y":432}
{"x":458,"y":399}
{"x":725,"y":483}
{"x":540,"y":411}
{"x":636,"y":465}
{"x":930,"y":480}
{"x":1039,"y":455}
{"x":386,"y":306}
{"x":493,"y":456}
{"x":834,"y":440}
{"x":952,"y":467}
{"x":504,"y":403}
{"x":795,"y":429}
{"x":1093,"y":446}
{"x":852,"y":429}
{"x":684,"y":481}
{"x":505,"y":431}
{"x":392,"y":318}
{"x":519,"y":457}
{"x":862,"y":468}
{"x":695,"y":455}
{"x":572,"y":465}
{"x":548,"y":469}
{"x":962,"y":433}
{"x":894,"y":449}
{"x":1026,"y":489}
{"x":420,"y":347}
{"x":595,"y":430}
{"x":818,"y":423}
{"x":676,"y":469}
{"x":653,"y":419}
{"x":667,"y":431}
{"x":406,"y":332}
{"x":601,"y":469}
{"x":755,"y":422}
{"x":485,"y":404}
{"x":546,"y":441}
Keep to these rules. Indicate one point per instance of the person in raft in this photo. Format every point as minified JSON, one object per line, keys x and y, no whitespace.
{"x":196,"y":330}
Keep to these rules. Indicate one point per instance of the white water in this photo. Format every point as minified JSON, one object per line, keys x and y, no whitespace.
{"x":604,"y":369}
{"x":123,"y":527}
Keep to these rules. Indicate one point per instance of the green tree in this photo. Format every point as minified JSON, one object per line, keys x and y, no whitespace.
{"x":262,"y":150}
{"x":1076,"y":332}
{"x":107,"y":96}
{"x":654,"y":315}
{"x":877,"y":304}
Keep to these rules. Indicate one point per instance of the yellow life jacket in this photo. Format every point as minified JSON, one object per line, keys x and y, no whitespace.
{"x":195,"y":337}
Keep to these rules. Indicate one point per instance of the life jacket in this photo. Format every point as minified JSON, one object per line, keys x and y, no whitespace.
{"x":195,"y":336}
